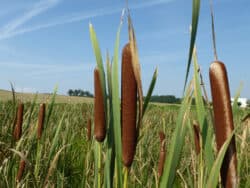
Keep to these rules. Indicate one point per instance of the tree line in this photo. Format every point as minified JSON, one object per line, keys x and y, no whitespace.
{"x":79,"y":93}
{"x":155,"y":98}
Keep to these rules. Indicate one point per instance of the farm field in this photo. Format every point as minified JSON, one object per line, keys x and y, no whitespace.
{"x":64,"y":157}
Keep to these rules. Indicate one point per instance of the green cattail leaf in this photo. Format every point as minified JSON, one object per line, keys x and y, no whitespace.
{"x":110,"y":160}
{"x":150,"y":91}
{"x":109,"y":77}
{"x":99,"y":61}
{"x":116,"y":110}
{"x":195,"y":19}
{"x":215,"y":171}
{"x":177,"y":142}
{"x":206,"y":131}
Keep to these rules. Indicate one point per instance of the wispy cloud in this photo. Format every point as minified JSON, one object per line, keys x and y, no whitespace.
{"x":83,"y":16}
{"x":38,"y":70}
{"x":38,"y":8}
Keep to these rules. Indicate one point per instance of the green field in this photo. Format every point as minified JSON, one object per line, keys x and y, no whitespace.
{"x":65,"y":158}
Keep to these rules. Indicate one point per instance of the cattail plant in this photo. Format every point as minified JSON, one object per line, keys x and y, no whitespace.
{"x":162,"y":153}
{"x":223,"y":119}
{"x":18,"y":123}
{"x":41,"y":117}
{"x":89,"y":129}
{"x":128,"y":108}
{"x":99,"y":109}
{"x":197,"y":133}
{"x":20,"y":171}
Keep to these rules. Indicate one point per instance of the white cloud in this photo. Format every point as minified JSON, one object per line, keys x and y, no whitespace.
{"x":81,"y":16}
{"x":38,"y":8}
{"x":37,"y":70}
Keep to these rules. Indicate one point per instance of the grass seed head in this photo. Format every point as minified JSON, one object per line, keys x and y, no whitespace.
{"x":223,"y":119}
{"x":41,"y":117}
{"x":19,"y":121}
{"x":197,"y":137}
{"x":129,"y":108}
{"x":99,"y":109}
{"x":21,"y":169}
{"x":162,"y":153}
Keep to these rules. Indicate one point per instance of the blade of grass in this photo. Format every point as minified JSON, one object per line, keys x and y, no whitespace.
{"x":150,"y":91}
{"x":50,"y":108}
{"x":215,"y":171}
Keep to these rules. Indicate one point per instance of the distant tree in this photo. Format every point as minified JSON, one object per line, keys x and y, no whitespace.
{"x":70,"y":92}
{"x":165,"y":99}
{"x":79,"y":93}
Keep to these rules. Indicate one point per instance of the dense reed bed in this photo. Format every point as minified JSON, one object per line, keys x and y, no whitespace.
{"x":67,"y":129}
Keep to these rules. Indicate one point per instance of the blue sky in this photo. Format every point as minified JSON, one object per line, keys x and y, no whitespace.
{"x":46,"y":42}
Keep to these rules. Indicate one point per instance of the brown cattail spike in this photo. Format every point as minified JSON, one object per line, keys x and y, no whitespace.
{"x":129,"y":108}
{"x":41,"y":117}
{"x":162,"y":154}
{"x":21,"y":168}
{"x":19,"y":121}
{"x":197,"y":132}
{"x":223,"y":119}
{"x":89,"y":129}
{"x":99,"y":109}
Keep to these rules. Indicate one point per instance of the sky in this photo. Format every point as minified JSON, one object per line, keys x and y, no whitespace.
{"x":44,"y":43}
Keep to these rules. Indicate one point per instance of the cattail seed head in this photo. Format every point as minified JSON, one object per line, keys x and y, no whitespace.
{"x":128,"y":108}
{"x":41,"y":117}
{"x":162,"y":153}
{"x":19,"y":121}
{"x":99,"y":109}
{"x":223,"y":119}
{"x":21,"y":169}
{"x":89,"y":129}
{"x":197,"y":131}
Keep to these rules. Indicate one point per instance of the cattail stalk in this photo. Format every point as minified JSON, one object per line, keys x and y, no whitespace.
{"x":99,"y":109}
{"x":197,"y":132}
{"x":129,"y":108}
{"x":162,"y":153}
{"x":19,"y":121}
{"x":21,"y":169}
{"x":89,"y":129}
{"x":41,"y":117}
{"x":223,"y":119}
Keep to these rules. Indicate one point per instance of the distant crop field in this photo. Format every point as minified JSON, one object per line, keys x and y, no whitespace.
{"x":42,"y":98}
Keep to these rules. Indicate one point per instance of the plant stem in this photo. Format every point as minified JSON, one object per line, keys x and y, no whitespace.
{"x":125,"y":178}
{"x":99,"y":164}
